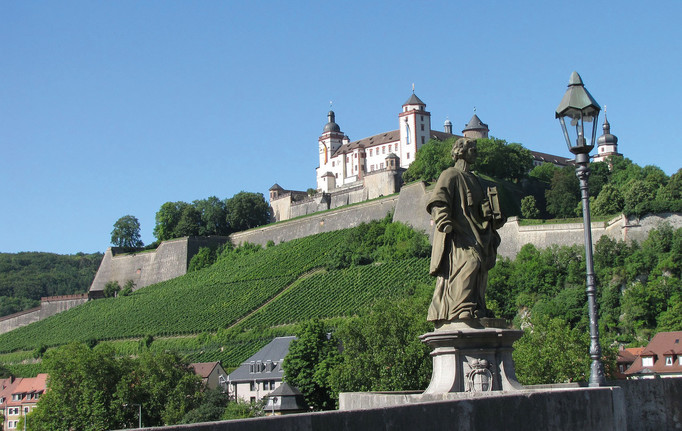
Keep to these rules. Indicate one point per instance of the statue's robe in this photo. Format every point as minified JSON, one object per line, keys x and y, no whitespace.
{"x":461,"y":259}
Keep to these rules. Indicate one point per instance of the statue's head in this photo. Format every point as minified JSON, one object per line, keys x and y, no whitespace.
{"x":461,"y":147}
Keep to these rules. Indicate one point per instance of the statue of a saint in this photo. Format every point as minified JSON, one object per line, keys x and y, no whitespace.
{"x":466,"y":216}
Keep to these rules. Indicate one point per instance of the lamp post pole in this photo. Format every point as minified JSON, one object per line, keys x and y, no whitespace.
{"x":577,"y":108}
{"x":139,"y":413}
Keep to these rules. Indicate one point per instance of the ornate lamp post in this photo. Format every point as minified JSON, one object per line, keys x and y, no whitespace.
{"x":577,"y":111}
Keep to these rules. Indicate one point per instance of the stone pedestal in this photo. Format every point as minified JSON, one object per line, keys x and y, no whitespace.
{"x":472,"y":356}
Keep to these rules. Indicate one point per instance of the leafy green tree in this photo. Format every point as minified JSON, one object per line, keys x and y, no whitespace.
{"x":564,"y":193}
{"x":213,"y":214}
{"x":529,"y":208}
{"x":205,"y":257}
{"x":167,"y":219}
{"x":551,"y":352}
{"x":382,"y":350}
{"x":499,"y":159}
{"x":126,"y":232}
{"x":609,"y":201}
{"x":111,"y":289}
{"x":247,"y":210}
{"x":189,"y":223}
{"x":544,"y":172}
{"x":211,"y":408}
{"x":431,"y":159}
{"x":81,"y":391}
{"x":308,"y":362}
{"x":638,"y":196}
{"x":128,"y":288}
{"x":242,"y":410}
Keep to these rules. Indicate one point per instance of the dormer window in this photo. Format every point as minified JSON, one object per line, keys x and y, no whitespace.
{"x":668,"y":360}
{"x":648,"y":361}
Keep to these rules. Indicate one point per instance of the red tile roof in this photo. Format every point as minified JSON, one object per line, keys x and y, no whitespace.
{"x":203,"y":369}
{"x":663,"y":344}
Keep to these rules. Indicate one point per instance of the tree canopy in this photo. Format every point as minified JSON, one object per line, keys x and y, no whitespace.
{"x":247,"y":210}
{"x":126,"y":232}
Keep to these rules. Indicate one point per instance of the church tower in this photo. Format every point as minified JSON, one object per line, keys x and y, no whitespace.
{"x":607,"y":144}
{"x":415,"y":128}
{"x":331,"y":140}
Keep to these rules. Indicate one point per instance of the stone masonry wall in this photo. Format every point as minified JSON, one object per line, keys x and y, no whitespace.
{"x":169,"y":260}
{"x":630,"y":406}
{"x":49,"y":306}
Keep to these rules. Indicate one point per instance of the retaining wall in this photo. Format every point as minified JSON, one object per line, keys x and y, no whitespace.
{"x":49,"y":306}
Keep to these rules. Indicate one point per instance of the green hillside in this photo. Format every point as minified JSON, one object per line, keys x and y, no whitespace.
{"x":229,"y":310}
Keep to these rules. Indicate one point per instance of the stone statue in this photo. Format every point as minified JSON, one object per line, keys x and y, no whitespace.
{"x":466,"y":216}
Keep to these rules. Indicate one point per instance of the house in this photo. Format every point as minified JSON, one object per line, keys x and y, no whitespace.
{"x":260,"y":374}
{"x":19,"y":396}
{"x":626,"y":357}
{"x":662,"y":357}
{"x":212,"y":374}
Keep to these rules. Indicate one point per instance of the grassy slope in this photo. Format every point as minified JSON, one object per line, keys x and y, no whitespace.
{"x":225,"y":312}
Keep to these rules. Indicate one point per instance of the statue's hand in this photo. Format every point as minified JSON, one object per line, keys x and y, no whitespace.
{"x":446,"y":228}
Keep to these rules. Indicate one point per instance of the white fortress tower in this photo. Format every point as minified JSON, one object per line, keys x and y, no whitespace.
{"x":607,"y":144}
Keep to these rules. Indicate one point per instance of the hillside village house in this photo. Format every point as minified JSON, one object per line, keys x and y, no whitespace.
{"x":212,"y":374}
{"x":662,"y":357}
{"x":261,"y":373}
{"x":373,"y":166}
{"x":19,"y":396}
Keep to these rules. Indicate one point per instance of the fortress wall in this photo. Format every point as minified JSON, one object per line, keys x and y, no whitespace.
{"x":17,"y":320}
{"x":169,"y":260}
{"x":322,"y":222}
{"x":52,"y":305}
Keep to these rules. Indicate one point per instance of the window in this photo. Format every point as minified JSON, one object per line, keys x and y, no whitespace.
{"x":423,"y":140}
{"x":668,"y":360}
{"x":253,"y":399}
{"x":371,"y":168}
{"x":272,"y":384}
{"x":383,"y":150}
{"x":16,"y":397}
{"x":25,"y":409}
{"x":422,"y":127}
{"x":381,"y":166}
{"x":12,"y":411}
{"x":332,"y":164}
{"x":12,"y":424}
{"x":648,"y":361}
{"x":680,"y":359}
{"x":265,"y":385}
{"x":408,"y":155}
{"x":253,"y":386}
{"x":422,"y":120}
{"x":356,"y":155}
{"x":370,"y":152}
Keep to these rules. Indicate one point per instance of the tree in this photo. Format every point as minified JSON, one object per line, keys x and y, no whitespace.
{"x":564,"y":193}
{"x":608,"y":202}
{"x":392,"y":361}
{"x":431,"y":159}
{"x":247,"y":210}
{"x":211,"y":408}
{"x":551,"y":352}
{"x":92,"y":389}
{"x":529,"y":208}
{"x":189,"y":223}
{"x":213,"y":214}
{"x":308,"y":363}
{"x":111,"y":289}
{"x":126,"y":232}
{"x":167,"y":219}
{"x":544,"y":172}
{"x":499,"y":159}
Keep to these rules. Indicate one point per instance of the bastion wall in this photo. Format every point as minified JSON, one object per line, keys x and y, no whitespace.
{"x":49,"y":306}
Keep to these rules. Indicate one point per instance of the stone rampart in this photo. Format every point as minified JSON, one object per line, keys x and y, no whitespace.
{"x":327,"y":221}
{"x":171,"y":259}
{"x":630,"y":406}
{"x":49,"y":306}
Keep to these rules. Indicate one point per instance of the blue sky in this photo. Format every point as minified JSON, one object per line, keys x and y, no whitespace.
{"x":113,"y":108}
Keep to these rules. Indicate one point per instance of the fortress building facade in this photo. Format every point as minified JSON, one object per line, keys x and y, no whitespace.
{"x":355,"y":171}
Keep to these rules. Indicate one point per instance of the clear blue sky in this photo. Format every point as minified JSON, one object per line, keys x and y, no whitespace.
{"x":113,"y":108}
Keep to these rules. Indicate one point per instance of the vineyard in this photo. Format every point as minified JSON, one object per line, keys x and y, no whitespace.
{"x":227,"y":311}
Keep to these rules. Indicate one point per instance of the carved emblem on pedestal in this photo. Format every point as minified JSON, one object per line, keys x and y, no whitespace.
{"x":479,"y":378}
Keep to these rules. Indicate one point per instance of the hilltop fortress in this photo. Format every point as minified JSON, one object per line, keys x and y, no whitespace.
{"x":355,"y":171}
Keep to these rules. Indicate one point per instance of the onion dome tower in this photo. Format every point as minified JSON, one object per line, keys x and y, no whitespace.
{"x":607,"y":144}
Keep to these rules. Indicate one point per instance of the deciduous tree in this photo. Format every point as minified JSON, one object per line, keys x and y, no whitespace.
{"x":126,"y":232}
{"x":246,"y":210}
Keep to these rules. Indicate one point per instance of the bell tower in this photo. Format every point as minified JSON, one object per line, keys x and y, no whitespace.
{"x":415,"y":128}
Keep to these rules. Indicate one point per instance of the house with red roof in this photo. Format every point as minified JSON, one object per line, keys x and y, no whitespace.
{"x":662,"y":357}
{"x":212,"y":374}
{"x":626,"y":357}
{"x":19,"y":396}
